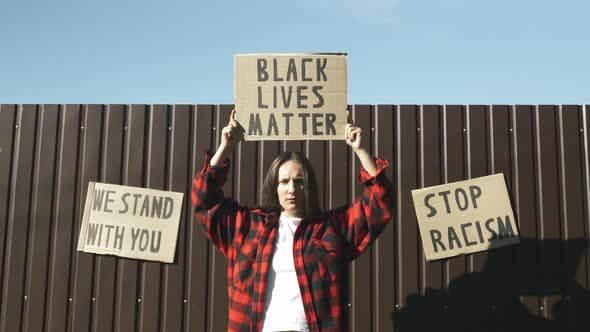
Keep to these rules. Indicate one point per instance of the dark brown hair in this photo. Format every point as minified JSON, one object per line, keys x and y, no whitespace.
{"x":270,"y":199}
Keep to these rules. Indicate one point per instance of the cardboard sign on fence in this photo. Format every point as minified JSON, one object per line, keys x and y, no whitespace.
{"x":465,"y":217}
{"x":291,"y":96}
{"x":130,"y":222}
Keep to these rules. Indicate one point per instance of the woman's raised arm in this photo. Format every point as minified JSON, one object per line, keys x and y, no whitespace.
{"x":223,"y":219}
{"x":363,"y":221}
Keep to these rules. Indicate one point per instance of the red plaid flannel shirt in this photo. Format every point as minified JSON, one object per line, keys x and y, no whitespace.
{"x":322,"y":247}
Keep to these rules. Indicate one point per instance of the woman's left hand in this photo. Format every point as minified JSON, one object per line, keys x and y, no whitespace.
{"x":353,"y":139}
{"x":353,"y":135}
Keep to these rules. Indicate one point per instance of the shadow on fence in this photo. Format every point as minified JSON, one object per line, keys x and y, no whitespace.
{"x":509,"y":295}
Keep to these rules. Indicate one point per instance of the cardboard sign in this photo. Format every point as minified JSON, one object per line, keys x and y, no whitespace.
{"x":130,"y":222}
{"x":465,"y":217}
{"x":291,"y":96}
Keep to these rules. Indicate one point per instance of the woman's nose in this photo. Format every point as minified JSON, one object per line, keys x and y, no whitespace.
{"x":291,"y":187}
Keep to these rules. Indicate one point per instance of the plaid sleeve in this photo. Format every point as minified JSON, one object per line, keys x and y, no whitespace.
{"x":363,"y":221}
{"x":222,"y":219}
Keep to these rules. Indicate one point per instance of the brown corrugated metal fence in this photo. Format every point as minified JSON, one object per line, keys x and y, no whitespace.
{"x":49,"y":153}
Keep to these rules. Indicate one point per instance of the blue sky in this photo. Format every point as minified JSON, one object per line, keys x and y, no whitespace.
{"x":400,"y":51}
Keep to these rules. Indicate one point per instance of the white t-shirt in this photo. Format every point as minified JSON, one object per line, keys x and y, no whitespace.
{"x":283,"y":305}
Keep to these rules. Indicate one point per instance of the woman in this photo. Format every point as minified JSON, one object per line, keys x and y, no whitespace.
{"x":286,"y":260}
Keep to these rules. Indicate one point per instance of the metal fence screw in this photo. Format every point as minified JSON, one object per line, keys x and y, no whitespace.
{"x":25,"y":297}
{"x":16,"y":126}
{"x":464,"y":130}
{"x":417,"y":129}
{"x":125,"y":127}
{"x":184,"y":301}
{"x":70,"y":299}
{"x":138,"y":300}
{"x":93,"y":299}
{"x":169,"y":128}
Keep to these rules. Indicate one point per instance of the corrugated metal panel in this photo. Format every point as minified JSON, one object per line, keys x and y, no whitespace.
{"x":548,"y":196}
{"x":40,"y":216}
{"x":384,"y":248}
{"x":524,"y":203}
{"x":197,"y":276}
{"x":501,"y":266}
{"x":585,"y":129}
{"x":406,"y":179}
{"x":476,"y":166}
{"x":19,"y":219}
{"x":430,"y":174}
{"x":59,"y":297}
{"x":7,"y":126}
{"x":361,"y":270}
{"x":48,"y":153}
{"x":135,"y":172}
{"x":148,"y":299}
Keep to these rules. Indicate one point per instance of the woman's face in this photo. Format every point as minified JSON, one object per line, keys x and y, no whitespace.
{"x":291,"y":190}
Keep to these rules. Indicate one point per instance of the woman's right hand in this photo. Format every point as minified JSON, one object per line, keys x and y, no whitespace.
{"x":230,"y":136}
{"x":233,"y":132}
